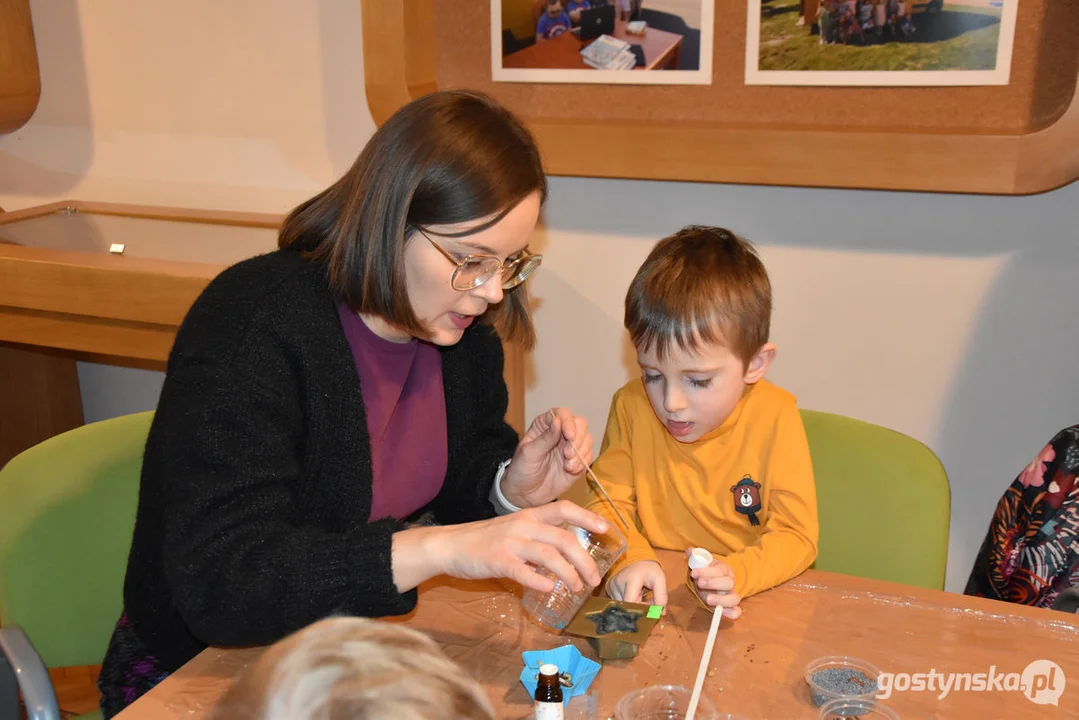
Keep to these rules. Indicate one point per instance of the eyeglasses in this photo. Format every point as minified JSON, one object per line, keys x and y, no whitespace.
{"x":474,"y":270}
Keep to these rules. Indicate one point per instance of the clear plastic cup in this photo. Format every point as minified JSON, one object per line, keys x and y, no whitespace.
{"x":839,"y":676}
{"x":844,"y":708}
{"x":662,"y":702}
{"x":556,"y":608}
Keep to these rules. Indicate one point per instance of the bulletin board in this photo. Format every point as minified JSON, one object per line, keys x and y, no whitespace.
{"x":1019,"y":138}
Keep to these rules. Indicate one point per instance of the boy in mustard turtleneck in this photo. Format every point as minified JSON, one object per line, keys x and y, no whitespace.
{"x":701,"y":451}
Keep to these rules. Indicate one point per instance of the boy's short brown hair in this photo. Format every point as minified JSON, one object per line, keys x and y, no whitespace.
{"x":701,"y":285}
{"x":350,"y":668}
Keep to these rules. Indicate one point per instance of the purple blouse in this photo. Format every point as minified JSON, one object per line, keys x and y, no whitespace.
{"x":401,"y":384}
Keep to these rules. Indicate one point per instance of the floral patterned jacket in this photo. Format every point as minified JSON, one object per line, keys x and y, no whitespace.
{"x":1031,"y":552}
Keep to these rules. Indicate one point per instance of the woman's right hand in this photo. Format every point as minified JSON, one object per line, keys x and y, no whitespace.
{"x":503,"y":547}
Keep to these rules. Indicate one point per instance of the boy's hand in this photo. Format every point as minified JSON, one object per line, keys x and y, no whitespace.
{"x":715,"y":585}
{"x":629,"y":584}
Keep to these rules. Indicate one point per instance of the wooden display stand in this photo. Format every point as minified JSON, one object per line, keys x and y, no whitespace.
{"x":65,"y":297}
{"x":1014,"y":139}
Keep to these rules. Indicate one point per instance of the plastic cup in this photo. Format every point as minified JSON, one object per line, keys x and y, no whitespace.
{"x":662,"y":702}
{"x":851,"y":678}
{"x":844,"y":708}
{"x":556,"y":608}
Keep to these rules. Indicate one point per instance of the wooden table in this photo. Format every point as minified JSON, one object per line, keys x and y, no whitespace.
{"x":758,"y":664}
{"x":564,"y":51}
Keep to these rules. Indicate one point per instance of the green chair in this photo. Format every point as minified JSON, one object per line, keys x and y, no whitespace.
{"x":67,"y":512}
{"x":883,"y":501}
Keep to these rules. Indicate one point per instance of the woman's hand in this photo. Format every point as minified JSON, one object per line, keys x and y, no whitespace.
{"x":545,"y":464}
{"x":630,"y":582}
{"x":511,"y":546}
{"x":715,"y":585}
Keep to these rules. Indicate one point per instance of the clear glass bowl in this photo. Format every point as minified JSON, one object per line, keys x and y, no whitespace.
{"x":839,"y":676}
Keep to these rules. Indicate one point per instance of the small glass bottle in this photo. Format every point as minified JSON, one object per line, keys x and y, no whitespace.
{"x":548,"y":694}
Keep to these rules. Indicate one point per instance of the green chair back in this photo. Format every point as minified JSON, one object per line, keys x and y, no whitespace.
{"x":883,"y":501}
{"x":67,"y":513}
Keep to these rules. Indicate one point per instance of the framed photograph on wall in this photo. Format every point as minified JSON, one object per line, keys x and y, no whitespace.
{"x":635,"y":42}
{"x":879,"y":42}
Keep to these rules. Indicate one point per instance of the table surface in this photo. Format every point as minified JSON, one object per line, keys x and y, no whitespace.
{"x":757,"y":667}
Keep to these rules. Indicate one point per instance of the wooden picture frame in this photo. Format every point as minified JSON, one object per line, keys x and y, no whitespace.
{"x":1019,"y":139}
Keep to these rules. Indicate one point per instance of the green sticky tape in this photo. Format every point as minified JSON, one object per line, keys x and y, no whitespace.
{"x":654,"y":612}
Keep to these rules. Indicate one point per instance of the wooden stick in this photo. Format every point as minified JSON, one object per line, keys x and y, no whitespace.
{"x":706,"y":657}
{"x":591,"y":475}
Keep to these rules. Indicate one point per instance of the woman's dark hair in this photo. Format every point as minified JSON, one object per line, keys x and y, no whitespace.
{"x":445,"y":158}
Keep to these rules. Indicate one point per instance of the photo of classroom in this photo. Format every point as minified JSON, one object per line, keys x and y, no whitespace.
{"x":543,"y":40}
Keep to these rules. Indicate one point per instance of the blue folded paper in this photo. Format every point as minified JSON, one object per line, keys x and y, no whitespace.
{"x":577,"y":671}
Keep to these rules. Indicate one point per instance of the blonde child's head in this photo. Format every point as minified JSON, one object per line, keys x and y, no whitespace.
{"x":345,"y":668}
{"x":698,"y":312}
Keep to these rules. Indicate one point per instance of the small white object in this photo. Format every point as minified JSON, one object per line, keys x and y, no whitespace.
{"x":117,"y":248}
{"x":583,"y":536}
{"x":699,"y":557}
{"x":500,"y":499}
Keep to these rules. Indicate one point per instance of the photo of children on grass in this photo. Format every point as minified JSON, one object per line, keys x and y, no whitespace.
{"x":880,"y":42}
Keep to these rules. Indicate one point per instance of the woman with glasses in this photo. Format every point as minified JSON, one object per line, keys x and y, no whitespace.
{"x":321,"y":399}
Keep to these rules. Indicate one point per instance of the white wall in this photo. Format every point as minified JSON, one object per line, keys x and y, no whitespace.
{"x":246,"y":105}
{"x":950,"y":318}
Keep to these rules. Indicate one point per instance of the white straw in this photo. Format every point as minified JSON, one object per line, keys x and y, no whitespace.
{"x":706,"y":658}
